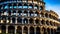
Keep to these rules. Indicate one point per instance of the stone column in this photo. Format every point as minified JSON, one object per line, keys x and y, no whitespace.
{"x":22,"y":29}
{"x":28,"y":20}
{"x":35,"y":30}
{"x":28,"y":14}
{"x":50,"y":31}
{"x":46,"y":31}
{"x":6,"y":29}
{"x":11,"y":20}
{"x":15,"y":29}
{"x":0,"y":29}
{"x":41,"y":30}
{"x":16,"y":21}
{"x":28,"y":30}
{"x":22,"y":20}
{"x":53,"y":31}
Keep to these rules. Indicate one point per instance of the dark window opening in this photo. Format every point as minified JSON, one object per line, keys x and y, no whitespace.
{"x":19,"y":20}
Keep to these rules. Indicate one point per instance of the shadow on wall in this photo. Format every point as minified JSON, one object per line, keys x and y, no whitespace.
{"x":58,"y":30}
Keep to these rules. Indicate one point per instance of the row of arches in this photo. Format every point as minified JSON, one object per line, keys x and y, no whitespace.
{"x":31,"y":30}
{"x":28,"y":13}
{"x":20,"y":5}
{"x":26,"y":21}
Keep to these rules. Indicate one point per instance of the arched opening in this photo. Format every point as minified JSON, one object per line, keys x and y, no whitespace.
{"x":42,"y":22}
{"x":31,"y":30}
{"x":44,"y":30}
{"x":3,"y":28}
{"x":19,"y":13}
{"x":50,"y":16}
{"x":5,"y":6}
{"x":14,"y":13}
{"x":13,"y":19}
{"x":31,"y":13}
{"x":46,"y":15}
{"x":42,"y":14}
{"x":25,"y":30}
{"x":31,"y":20}
{"x":48,"y":30}
{"x":19,"y":20}
{"x":11,"y":29}
{"x":25,"y":13}
{"x":3,"y":18}
{"x":25,"y":6}
{"x":19,"y":5}
{"x":37,"y":21}
{"x":36,"y":13}
{"x":14,"y":5}
{"x":30,"y":6}
{"x":9,"y":12}
{"x":38,"y":30}
{"x":41,"y":8}
{"x":54,"y":31}
{"x":51,"y":23}
{"x":47,"y":22}
{"x":19,"y":30}
{"x":51,"y":31}
{"x":36,"y":7}
{"x":25,"y":20}
{"x":10,"y":6}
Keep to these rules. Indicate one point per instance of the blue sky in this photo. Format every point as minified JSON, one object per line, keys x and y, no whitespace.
{"x":53,"y":5}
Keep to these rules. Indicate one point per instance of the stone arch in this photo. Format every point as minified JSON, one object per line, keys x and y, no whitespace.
{"x":51,"y":23}
{"x":25,"y":6}
{"x":47,"y":22}
{"x":25,"y":30}
{"x":44,"y":30}
{"x":11,"y":29}
{"x":41,"y":7}
{"x":10,"y":5}
{"x":19,"y":30}
{"x":13,"y":19}
{"x":50,"y":15}
{"x":48,"y":30}
{"x":25,"y":13}
{"x":19,"y":20}
{"x":14,"y":5}
{"x":31,"y":20}
{"x":38,"y":30}
{"x":36,"y":7}
{"x":3,"y":28}
{"x":19,"y":12}
{"x":46,"y":14}
{"x":25,"y":20}
{"x":42,"y":22}
{"x":30,"y":6}
{"x":31,"y":13}
{"x":31,"y":30}
{"x":37,"y":21}
{"x":19,"y":5}
{"x":36,"y":13}
{"x":9,"y":12}
{"x":42,"y":14}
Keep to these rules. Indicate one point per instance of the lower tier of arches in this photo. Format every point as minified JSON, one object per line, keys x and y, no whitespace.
{"x":10,"y":29}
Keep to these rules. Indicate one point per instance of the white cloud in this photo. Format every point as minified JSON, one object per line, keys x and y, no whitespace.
{"x":55,"y":8}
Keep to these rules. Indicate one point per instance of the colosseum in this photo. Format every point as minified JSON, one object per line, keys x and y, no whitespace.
{"x":27,"y":17}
